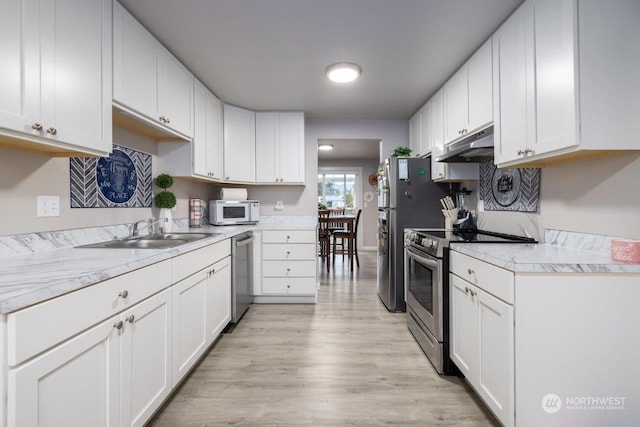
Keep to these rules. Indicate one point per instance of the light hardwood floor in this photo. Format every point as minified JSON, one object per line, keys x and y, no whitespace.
{"x":344,"y":361}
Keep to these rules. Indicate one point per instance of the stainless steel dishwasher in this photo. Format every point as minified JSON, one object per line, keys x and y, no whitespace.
{"x":242,"y":274}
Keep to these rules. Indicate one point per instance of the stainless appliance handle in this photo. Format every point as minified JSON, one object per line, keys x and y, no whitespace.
{"x":244,"y":242}
{"x":426,"y":261}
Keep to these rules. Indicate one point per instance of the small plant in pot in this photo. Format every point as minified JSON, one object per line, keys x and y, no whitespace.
{"x":401,"y":152}
{"x":165,"y":200}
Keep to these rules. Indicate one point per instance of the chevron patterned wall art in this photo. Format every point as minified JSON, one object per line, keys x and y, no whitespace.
{"x":509,"y":189}
{"x":122,"y":180}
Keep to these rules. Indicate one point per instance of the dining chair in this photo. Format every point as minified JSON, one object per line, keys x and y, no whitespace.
{"x":336,"y":226}
{"x":324,"y":240}
{"x":351,"y":237}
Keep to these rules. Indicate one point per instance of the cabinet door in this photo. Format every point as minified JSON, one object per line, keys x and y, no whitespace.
{"x":75,"y":384}
{"x":76,"y":72}
{"x":510,"y":88}
{"x":19,"y":73}
{"x":200,"y":143}
{"x":267,"y":134}
{"x":291,"y":157}
{"x":554,"y":48}
{"x":135,"y":64}
{"x":463,"y":328}
{"x":214,"y":136}
{"x":438,"y":169}
{"x":424,"y":146}
{"x":239,"y":144}
{"x":480,"y":84}
{"x":415,"y":127}
{"x":455,"y":105}
{"x":496,"y":355}
{"x":175,"y":94}
{"x":207,"y":133}
{"x":218,"y":299}
{"x":146,"y":358}
{"x":189,"y":323}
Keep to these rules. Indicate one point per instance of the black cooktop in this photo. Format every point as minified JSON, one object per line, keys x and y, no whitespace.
{"x":479,"y":236}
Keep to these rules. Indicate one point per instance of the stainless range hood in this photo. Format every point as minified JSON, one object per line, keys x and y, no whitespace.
{"x":474,"y":148}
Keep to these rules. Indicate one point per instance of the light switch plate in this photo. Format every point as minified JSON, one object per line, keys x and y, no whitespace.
{"x":48,"y":206}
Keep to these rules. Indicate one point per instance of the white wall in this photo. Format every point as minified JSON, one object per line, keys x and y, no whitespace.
{"x":599,"y":196}
{"x":25,"y":175}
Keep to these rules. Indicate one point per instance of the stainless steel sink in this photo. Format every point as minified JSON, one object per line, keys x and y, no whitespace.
{"x":157,"y":241}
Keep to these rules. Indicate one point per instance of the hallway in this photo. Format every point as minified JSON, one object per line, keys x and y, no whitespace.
{"x":343,"y":361}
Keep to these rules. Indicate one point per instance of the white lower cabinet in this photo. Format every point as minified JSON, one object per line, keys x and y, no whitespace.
{"x":146,"y":358}
{"x":482,"y":339}
{"x":110,"y":354}
{"x":202,"y":308}
{"x":80,"y":377}
{"x":289,"y":267}
{"x":117,"y":373}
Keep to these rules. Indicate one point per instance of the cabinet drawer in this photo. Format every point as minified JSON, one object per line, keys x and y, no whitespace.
{"x":191,"y":262}
{"x":291,"y":286}
{"x":289,"y":268}
{"x":303,"y":251}
{"x":494,"y":280}
{"x":36,"y":328}
{"x":288,"y":236}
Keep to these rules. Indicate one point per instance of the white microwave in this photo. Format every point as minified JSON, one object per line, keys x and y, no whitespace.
{"x":228,"y":212}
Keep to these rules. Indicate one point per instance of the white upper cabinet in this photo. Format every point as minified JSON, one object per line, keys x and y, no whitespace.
{"x":148,"y":82}
{"x":55,"y":84}
{"x":280,"y":147}
{"x":415,"y":133}
{"x":565,"y":85}
{"x":202,"y":158}
{"x":468,"y":104}
{"x":450,"y":172}
{"x":239,"y":144}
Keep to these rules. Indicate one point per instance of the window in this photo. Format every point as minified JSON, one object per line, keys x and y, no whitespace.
{"x":338,"y":190}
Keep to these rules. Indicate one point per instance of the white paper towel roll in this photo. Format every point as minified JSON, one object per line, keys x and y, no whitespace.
{"x":235,"y":194}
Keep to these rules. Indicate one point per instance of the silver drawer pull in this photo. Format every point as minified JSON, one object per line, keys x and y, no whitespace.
{"x":123,"y":294}
{"x":52,"y":131}
{"x":130,"y":319}
{"x":470,"y":271}
{"x":36,"y":126}
{"x":118,"y":325}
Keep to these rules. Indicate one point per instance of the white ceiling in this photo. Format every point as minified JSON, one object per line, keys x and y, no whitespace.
{"x":271,"y":54}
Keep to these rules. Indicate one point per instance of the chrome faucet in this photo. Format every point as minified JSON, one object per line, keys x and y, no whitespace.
{"x":133,"y":230}
{"x":152,"y":222}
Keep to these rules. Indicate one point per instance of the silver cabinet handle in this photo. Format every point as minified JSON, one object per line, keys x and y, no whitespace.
{"x":130,"y":319}
{"x":36,"y":126}
{"x":520,"y":152}
{"x":528,"y":151}
{"x":466,"y":290}
{"x":472,"y":292}
{"x":288,"y":253}
{"x":288,"y":270}
{"x":52,"y":131}
{"x":123,"y":294}
{"x":470,"y":271}
{"x":288,"y":286}
{"x":118,"y":325}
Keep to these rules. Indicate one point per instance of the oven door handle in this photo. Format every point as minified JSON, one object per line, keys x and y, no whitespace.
{"x":426,"y":261}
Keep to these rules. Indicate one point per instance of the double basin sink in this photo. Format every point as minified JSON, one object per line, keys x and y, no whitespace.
{"x":156,"y":241}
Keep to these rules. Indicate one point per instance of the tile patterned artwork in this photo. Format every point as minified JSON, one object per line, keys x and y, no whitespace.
{"x":509,"y":189}
{"x":122,"y":180}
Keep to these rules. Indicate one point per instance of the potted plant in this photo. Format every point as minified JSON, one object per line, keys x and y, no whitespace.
{"x":401,"y":152}
{"x":165,"y":200}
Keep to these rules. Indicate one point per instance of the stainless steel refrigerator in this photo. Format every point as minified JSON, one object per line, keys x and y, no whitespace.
{"x":406,"y":198}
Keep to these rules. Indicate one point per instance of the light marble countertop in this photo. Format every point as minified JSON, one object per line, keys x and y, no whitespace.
{"x":30,"y":278}
{"x":544,"y":258}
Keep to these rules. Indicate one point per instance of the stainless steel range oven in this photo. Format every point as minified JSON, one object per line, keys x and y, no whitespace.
{"x":426,"y":279}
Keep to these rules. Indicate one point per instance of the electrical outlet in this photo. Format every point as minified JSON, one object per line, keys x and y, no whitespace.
{"x":279,"y":205}
{"x":48,"y":206}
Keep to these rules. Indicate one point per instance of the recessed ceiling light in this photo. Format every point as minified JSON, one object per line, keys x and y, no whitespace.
{"x":325,"y":147}
{"x":343,"y":72}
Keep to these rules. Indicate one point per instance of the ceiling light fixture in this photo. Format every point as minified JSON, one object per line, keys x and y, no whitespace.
{"x":343,"y":72}
{"x":325,"y":147}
